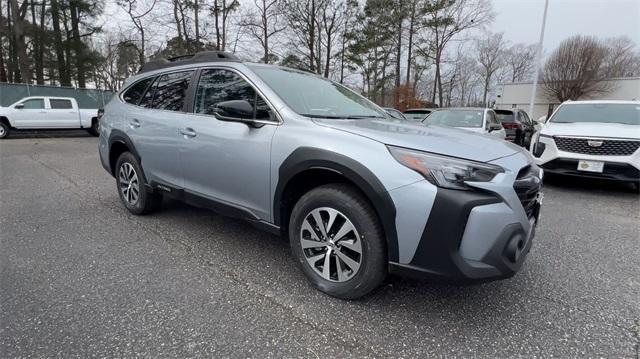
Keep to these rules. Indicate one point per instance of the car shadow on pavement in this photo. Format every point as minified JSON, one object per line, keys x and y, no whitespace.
{"x":17,"y":134}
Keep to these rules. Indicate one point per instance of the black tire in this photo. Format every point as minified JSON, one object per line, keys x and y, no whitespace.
{"x":4,"y":130}
{"x":147,"y":202}
{"x":373,"y":260}
{"x":94,"y":130}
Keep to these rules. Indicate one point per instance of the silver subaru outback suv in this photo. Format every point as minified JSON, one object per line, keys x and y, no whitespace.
{"x":358,"y":194}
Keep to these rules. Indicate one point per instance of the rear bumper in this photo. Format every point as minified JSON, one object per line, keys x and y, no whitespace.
{"x":473,"y":236}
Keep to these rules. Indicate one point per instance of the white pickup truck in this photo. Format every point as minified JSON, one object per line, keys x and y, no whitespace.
{"x":45,"y":112}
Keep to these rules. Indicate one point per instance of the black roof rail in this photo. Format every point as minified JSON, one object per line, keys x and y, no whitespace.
{"x":204,"y":56}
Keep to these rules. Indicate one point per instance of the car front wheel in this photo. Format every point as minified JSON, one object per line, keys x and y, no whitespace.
{"x":336,"y":238}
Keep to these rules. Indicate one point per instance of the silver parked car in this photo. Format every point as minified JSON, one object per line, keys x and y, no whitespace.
{"x":357,"y":193}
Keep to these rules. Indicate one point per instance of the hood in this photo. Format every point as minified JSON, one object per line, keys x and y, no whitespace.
{"x":473,"y":129}
{"x":591,"y":129}
{"x":441,"y":140}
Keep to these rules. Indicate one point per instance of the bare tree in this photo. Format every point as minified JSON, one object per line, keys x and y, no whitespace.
{"x":18,"y":13}
{"x":220,"y":11}
{"x":576,"y":69}
{"x":332,"y":17}
{"x":490,"y":51}
{"x":303,"y":18}
{"x":622,"y":59}
{"x":136,"y":16}
{"x":520,"y":59}
{"x":263,"y":24}
{"x":445,"y":19}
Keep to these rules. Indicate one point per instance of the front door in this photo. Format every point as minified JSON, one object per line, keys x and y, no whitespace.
{"x":224,"y":161}
{"x":30,"y":113}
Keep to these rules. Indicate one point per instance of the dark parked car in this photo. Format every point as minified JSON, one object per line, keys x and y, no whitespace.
{"x":518,"y":126}
{"x":394,"y":113}
{"x":417,"y":114}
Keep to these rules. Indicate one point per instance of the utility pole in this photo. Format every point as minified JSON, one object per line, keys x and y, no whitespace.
{"x":538,"y":60}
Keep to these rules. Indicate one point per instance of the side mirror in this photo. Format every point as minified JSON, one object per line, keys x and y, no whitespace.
{"x":494,"y":127}
{"x":19,"y":106}
{"x":236,"y":111}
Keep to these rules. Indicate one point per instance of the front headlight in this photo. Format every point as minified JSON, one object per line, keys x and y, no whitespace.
{"x":445,"y":171}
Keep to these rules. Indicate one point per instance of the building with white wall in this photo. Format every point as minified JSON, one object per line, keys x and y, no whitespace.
{"x":518,"y":95}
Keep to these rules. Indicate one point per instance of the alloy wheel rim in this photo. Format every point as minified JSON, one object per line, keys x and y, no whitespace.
{"x":2,"y":131}
{"x":331,"y":244}
{"x":129,"y":184}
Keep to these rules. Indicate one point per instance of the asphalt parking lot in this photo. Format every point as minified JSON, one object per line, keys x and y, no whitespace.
{"x":80,"y":277}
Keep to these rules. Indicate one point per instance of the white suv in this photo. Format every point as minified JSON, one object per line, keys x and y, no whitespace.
{"x":598,"y":139}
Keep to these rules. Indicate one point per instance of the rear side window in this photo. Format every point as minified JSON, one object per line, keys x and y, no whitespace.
{"x":216,"y":86}
{"x":171,"y":90}
{"x":60,"y":104}
{"x":33,"y":104}
{"x":135,"y":92}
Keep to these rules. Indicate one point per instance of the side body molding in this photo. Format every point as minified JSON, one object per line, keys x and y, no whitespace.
{"x":308,"y":158}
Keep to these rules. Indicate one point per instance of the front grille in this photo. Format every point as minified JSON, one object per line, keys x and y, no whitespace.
{"x":527,"y":186}
{"x":602,"y":147}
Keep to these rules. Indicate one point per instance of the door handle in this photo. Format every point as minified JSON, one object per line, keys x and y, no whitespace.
{"x":134,"y":123}
{"x":188,"y":132}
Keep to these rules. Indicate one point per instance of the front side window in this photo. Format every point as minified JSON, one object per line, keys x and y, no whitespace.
{"x":312,"y":96}
{"x":624,"y":113}
{"x":170,"y":91}
{"x":33,"y":104}
{"x":60,"y":104}
{"x":456,"y":118}
{"x":216,"y":86}
{"x":135,"y":92}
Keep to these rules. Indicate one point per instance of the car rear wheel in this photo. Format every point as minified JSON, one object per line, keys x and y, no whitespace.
{"x":336,"y":238}
{"x":131,"y":186}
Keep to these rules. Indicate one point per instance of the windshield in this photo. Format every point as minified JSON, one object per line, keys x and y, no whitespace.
{"x":313,"y":96}
{"x":506,"y":116}
{"x":456,"y":118}
{"x":624,"y":113}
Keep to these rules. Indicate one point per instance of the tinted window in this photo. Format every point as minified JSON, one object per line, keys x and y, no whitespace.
{"x":60,"y":104}
{"x":33,"y":104}
{"x":314,"y":96}
{"x":171,"y":90}
{"x":147,"y":98}
{"x":599,"y":112}
{"x":135,"y":92}
{"x":217,"y":86}
{"x":456,"y":118}
{"x":505,"y":116}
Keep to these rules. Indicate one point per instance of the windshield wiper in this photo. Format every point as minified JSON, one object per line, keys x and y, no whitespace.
{"x":353,"y":117}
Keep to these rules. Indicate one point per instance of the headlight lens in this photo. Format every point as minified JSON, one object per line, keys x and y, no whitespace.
{"x":444,"y":171}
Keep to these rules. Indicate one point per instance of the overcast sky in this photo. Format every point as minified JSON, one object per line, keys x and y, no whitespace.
{"x":520,"y":20}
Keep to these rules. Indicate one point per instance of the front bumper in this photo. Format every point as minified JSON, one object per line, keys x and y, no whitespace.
{"x":616,"y":168}
{"x":480,"y":235}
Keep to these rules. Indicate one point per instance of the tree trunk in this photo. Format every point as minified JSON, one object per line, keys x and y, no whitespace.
{"x":177,"y":19}
{"x":21,"y":47}
{"x":412,"y":21}
{"x":396,"y":96}
{"x":327,"y":57}
{"x":196,"y":9}
{"x":3,"y":72}
{"x":64,"y":77}
{"x":312,"y":36}
{"x":77,"y":44}
{"x":37,"y":45}
{"x":265,"y":31}
{"x":217,"y":14}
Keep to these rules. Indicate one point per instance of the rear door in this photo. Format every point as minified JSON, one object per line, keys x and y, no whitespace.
{"x":62,"y":113}
{"x":225,"y":161}
{"x":30,"y":113}
{"x":154,"y":122}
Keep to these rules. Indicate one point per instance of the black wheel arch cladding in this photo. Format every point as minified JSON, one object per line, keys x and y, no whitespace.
{"x":118,"y":136}
{"x":308,"y":158}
